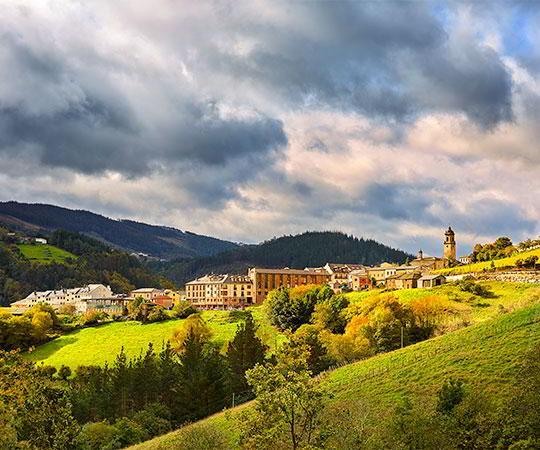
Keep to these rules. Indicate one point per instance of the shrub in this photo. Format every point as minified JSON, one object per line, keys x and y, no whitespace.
{"x":156,"y":314}
{"x":183,"y":309}
{"x":92,"y":317}
{"x":97,"y":435}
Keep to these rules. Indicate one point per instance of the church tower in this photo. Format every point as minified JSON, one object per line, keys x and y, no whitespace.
{"x":449,"y":244}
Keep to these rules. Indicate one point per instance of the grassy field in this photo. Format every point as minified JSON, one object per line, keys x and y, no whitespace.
{"x":44,"y":254}
{"x":486,"y":265}
{"x":475,"y":309}
{"x":101,"y":344}
{"x":486,"y":356}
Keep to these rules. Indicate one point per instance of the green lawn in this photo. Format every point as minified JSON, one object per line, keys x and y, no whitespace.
{"x":486,"y":356}
{"x":486,"y":265}
{"x":44,"y":254}
{"x":97,"y":345}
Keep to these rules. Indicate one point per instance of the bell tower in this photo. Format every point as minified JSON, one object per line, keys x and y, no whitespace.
{"x":449,"y":244}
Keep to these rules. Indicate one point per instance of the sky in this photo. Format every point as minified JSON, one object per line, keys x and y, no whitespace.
{"x":249,"y":120}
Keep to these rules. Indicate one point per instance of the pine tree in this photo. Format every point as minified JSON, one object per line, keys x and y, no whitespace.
{"x":243,"y":352}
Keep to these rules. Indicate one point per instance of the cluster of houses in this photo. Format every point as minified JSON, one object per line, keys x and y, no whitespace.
{"x":229,"y":291}
{"x":97,"y":297}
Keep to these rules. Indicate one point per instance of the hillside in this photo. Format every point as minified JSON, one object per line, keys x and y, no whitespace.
{"x":100,"y":345}
{"x":70,"y":260}
{"x":45,"y":253}
{"x":509,"y":262}
{"x":158,"y":241}
{"x":485,"y":356}
{"x":299,"y":251}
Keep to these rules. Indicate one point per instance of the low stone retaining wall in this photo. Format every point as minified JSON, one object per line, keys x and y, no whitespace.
{"x":516,"y":276}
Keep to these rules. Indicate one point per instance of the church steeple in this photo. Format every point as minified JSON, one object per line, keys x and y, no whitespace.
{"x":449,"y":244}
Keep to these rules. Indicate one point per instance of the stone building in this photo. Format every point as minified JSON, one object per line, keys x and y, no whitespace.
{"x":449,"y":245}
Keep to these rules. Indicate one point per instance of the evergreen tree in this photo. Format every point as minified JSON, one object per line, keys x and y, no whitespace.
{"x":202,"y":378}
{"x":243,"y":352}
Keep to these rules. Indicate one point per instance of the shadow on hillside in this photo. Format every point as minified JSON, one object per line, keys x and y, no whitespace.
{"x":50,"y":348}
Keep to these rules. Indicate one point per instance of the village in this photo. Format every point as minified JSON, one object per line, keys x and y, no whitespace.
{"x":233,"y":291}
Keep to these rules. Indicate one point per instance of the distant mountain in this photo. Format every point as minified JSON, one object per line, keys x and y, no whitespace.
{"x":303,"y":250}
{"x":128,"y":235}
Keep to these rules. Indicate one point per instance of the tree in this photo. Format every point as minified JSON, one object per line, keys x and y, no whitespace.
{"x":307,"y":337}
{"x":288,"y":406}
{"x":288,"y":309}
{"x":194,"y":325}
{"x":244,"y":352}
{"x":202,"y":375}
{"x":183,"y":309}
{"x":329,"y":314}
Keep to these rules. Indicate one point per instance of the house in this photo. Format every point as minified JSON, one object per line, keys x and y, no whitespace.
{"x":429,"y":281}
{"x":359,"y":280}
{"x":382,"y":272}
{"x":339,"y":274}
{"x":406,"y":280}
{"x":92,"y":296}
{"x":430,"y":262}
{"x":176,"y":296}
{"x":163,"y":300}
{"x":465,"y":259}
{"x":147,"y":294}
{"x":41,"y":241}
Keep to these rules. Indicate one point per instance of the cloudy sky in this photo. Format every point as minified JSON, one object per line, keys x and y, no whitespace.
{"x":247,"y":120}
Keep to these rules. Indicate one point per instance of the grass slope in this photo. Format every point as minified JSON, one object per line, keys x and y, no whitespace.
{"x":45,"y":254}
{"x":486,"y":265}
{"x":475,"y":309}
{"x":485,"y":356}
{"x":101,"y":344}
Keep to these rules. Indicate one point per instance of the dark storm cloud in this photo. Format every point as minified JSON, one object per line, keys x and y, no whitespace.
{"x":383,"y":59}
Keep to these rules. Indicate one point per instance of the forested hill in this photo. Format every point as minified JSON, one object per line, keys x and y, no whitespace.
{"x":303,"y":250}
{"x":88,"y":261}
{"x":159,"y":241}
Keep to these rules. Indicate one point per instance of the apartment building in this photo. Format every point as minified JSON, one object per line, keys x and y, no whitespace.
{"x":91,"y":296}
{"x":220,"y":291}
{"x":266,"y":280}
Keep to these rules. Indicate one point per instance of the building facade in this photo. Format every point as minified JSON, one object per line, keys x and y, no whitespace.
{"x":220,"y":292}
{"x":359,"y":280}
{"x":92,"y":296}
{"x":266,"y":280}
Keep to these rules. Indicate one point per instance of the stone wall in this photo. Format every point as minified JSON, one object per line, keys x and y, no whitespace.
{"x":516,"y":276}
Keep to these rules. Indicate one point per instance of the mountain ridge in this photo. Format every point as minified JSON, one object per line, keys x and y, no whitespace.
{"x":129,"y":235}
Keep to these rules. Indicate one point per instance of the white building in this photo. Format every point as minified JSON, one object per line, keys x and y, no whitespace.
{"x":92,"y":296}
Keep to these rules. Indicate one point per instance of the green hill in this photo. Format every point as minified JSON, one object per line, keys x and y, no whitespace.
{"x":45,"y":253}
{"x":486,"y":356}
{"x":502,"y":263}
{"x":101,"y":344}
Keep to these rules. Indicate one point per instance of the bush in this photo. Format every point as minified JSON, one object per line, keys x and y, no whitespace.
{"x":92,"y":317}
{"x":183,"y":309}
{"x":156,"y":314}
{"x":468,"y":285}
{"x":97,"y":436}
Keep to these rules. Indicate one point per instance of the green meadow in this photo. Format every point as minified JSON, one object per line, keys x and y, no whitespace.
{"x":45,"y":254}
{"x":485,"y":356}
{"x":100,"y":344}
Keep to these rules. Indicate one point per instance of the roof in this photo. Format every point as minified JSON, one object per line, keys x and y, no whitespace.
{"x":144,"y":290}
{"x":289,"y":271}
{"x":406,"y":276}
{"x":231,"y":279}
{"x":343,"y":268}
{"x":431,"y":277}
